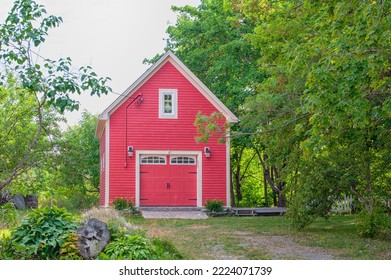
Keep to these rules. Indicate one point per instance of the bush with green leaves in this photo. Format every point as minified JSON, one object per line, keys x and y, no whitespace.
{"x":136,"y":246}
{"x":214,"y":205}
{"x":165,"y":250}
{"x":69,"y":249}
{"x":43,"y":231}
{"x":375,"y":224}
{"x":129,"y":247}
{"x":122,"y":204}
{"x":8,"y":215}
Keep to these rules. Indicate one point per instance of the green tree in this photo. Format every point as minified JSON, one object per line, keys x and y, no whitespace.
{"x":326,"y":99}
{"x":77,"y":164}
{"x":27,"y":131}
{"x":48,"y":82}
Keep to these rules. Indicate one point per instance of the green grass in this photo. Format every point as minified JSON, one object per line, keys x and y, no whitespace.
{"x":266,"y":238}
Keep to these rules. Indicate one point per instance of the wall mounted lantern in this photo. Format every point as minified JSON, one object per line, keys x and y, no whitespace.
{"x":130,"y":151}
{"x":207,"y":152}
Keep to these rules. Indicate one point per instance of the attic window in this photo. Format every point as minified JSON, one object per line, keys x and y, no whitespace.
{"x":168,"y":103}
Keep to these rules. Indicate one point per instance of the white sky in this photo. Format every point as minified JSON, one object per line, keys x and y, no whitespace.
{"x":113,"y":36}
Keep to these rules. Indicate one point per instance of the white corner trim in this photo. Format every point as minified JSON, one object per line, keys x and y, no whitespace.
{"x":107,"y":164}
{"x":228,"y":168}
{"x":169,"y":152}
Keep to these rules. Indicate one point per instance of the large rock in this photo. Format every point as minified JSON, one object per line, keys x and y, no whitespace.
{"x":19,"y":202}
{"x":93,"y":238}
{"x":31,"y":201}
{"x":5,"y":198}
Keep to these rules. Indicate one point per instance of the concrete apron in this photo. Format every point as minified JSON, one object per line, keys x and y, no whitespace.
{"x":172,"y":213}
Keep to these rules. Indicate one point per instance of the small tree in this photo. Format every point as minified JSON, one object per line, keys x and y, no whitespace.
{"x":46,"y":81}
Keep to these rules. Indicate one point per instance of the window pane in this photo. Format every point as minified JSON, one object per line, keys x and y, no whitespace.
{"x":182,"y":160}
{"x":153,"y":160}
{"x":168,"y":104}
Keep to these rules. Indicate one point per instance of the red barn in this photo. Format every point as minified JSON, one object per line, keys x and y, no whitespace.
{"x":148,"y":151}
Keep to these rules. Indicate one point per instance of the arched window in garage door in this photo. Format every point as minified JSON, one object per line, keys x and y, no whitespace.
{"x":190,"y":160}
{"x":153,"y":160}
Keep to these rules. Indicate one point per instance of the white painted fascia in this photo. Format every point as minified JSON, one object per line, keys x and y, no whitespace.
{"x":228,"y":168}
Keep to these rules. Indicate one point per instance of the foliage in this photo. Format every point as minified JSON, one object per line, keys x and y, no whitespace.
{"x":44,"y":84}
{"x":310,"y":81}
{"x":130,"y":247}
{"x":25,"y":29}
{"x":79,"y":155}
{"x":374,"y":225}
{"x":214,"y":205}
{"x":8,"y":215}
{"x":323,"y":111}
{"x":6,"y":249}
{"x":123,"y":204}
{"x":69,"y":249}
{"x":165,"y":250}
{"x":23,"y":145}
{"x":43,"y":231}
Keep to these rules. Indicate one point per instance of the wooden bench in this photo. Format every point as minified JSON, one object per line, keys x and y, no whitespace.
{"x":264,"y":211}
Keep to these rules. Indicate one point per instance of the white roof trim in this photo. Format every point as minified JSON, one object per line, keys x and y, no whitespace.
{"x":168,"y":56}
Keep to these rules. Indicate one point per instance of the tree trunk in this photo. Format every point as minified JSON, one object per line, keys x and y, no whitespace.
{"x":231,"y":187}
{"x":265,"y":190}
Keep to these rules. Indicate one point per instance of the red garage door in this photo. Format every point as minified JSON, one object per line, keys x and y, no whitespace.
{"x":168,"y":180}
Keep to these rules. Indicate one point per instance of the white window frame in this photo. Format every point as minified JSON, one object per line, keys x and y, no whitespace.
{"x":174,"y":94}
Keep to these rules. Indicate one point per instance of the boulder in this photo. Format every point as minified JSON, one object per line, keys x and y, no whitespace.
{"x":93,"y":238}
{"x":19,"y":202}
{"x":31,"y":201}
{"x":5,"y":198}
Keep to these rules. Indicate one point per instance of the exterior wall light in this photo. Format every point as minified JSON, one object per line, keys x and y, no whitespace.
{"x":207,"y":152}
{"x":130,"y":151}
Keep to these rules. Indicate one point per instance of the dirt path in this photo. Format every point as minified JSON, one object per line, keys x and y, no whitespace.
{"x":283,"y":247}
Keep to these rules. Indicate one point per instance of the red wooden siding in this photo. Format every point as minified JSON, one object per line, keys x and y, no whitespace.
{"x":145,"y":131}
{"x":102,"y":152}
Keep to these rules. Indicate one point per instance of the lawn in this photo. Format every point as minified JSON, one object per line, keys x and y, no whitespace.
{"x":266,"y":238}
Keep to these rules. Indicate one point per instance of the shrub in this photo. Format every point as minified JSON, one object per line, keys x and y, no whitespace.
{"x":165,"y":250}
{"x":214,"y":205}
{"x":69,"y":250}
{"x":122,"y":204}
{"x":42,"y":233}
{"x":8,"y":215}
{"x":130,"y":247}
{"x":374,"y":224}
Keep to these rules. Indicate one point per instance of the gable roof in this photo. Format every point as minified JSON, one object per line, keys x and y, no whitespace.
{"x":168,"y":56}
